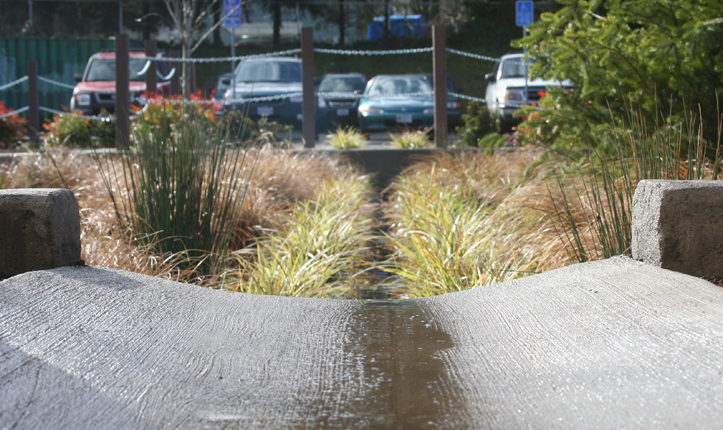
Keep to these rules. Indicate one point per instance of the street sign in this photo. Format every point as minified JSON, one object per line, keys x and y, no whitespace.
{"x":232,"y":12}
{"x":525,"y":13}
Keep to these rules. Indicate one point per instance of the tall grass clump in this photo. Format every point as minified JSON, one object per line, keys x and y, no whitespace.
{"x":594,"y":212}
{"x":184,"y":192}
{"x":444,"y":228}
{"x":320,"y":246}
{"x":346,"y":138}
{"x":408,"y":139}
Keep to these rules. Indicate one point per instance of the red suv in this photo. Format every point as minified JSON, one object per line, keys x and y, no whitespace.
{"x":96,"y":87}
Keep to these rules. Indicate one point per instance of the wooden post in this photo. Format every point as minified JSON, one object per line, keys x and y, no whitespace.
{"x":176,"y":78}
{"x":151,"y":74}
{"x":308,"y":127}
{"x":440,"y":86}
{"x":33,"y":103}
{"x":122,"y":96}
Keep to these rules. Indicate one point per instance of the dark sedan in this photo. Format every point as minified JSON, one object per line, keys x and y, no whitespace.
{"x":338,"y":99}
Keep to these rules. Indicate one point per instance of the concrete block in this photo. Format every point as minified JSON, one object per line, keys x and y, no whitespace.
{"x":39,"y":229}
{"x":678,"y":225}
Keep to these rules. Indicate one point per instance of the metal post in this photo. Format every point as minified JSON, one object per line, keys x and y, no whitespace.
{"x":233,"y":64}
{"x":33,"y":103}
{"x":122,"y":96}
{"x":30,"y":13}
{"x":440,"y":86}
{"x":151,"y":73}
{"x":176,"y":78}
{"x":308,"y":128}
{"x":524,"y":51}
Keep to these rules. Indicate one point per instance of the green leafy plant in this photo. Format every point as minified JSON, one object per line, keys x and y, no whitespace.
{"x":477,"y":124}
{"x":410,"y":139}
{"x":346,"y":138}
{"x":619,"y":53}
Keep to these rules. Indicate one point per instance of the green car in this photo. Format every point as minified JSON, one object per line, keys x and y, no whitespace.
{"x":403,"y":101}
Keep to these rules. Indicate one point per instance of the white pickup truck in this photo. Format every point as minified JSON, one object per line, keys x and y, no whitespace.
{"x":506,"y":90}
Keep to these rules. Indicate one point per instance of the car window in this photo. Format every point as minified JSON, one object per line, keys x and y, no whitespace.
{"x":514,"y":68}
{"x":268,"y":71}
{"x":104,"y":70}
{"x":342,"y":84}
{"x":398,"y":85}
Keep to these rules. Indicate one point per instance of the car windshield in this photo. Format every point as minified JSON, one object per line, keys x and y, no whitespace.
{"x":514,"y":68}
{"x":104,"y":70}
{"x":269,"y":71}
{"x":342,"y":84}
{"x":397,"y":85}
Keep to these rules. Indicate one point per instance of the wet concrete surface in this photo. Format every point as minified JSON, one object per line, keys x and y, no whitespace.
{"x":610,"y":344}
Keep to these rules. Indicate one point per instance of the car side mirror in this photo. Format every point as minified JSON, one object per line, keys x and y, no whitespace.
{"x":78,"y":77}
{"x":490,"y":77}
{"x":226,"y":81}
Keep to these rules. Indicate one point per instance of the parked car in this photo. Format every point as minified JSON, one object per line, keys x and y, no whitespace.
{"x":96,"y":90}
{"x":340,"y":107}
{"x":389,"y":103}
{"x":506,"y":90}
{"x":268,"y":77}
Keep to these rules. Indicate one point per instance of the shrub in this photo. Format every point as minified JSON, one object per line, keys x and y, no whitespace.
{"x":12,"y":127}
{"x":67,"y":130}
{"x":477,"y":124}
{"x":184,"y":191}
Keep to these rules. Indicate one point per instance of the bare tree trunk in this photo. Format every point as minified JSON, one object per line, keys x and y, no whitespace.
{"x":216,"y":19}
{"x":342,"y":23}
{"x":277,"y":24}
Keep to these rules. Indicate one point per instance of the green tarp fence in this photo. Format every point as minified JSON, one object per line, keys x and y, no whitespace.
{"x":58,"y":59}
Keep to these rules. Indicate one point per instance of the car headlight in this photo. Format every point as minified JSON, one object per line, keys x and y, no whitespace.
{"x":368,"y":110}
{"x":82,"y":99}
{"x":429,"y":111}
{"x":454,"y":105}
{"x":514,"y":96}
{"x":295,"y":99}
{"x":322,"y":103}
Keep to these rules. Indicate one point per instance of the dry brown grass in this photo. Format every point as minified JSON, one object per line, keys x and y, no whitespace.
{"x":280,"y":179}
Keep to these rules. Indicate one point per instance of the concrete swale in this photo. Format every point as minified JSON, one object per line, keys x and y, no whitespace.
{"x":608,"y":344}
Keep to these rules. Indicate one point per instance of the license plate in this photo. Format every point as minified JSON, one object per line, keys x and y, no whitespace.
{"x":265,"y":110}
{"x":404,"y":118}
{"x":342,"y":112}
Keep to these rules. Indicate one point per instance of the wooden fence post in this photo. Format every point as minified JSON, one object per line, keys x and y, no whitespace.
{"x":440,"y":86}
{"x":151,"y":74}
{"x":308,"y":114}
{"x":33,"y":103}
{"x":122,"y":96}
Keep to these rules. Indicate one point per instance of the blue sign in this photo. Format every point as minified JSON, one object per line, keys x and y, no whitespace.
{"x":232,"y":13}
{"x":525,"y":13}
